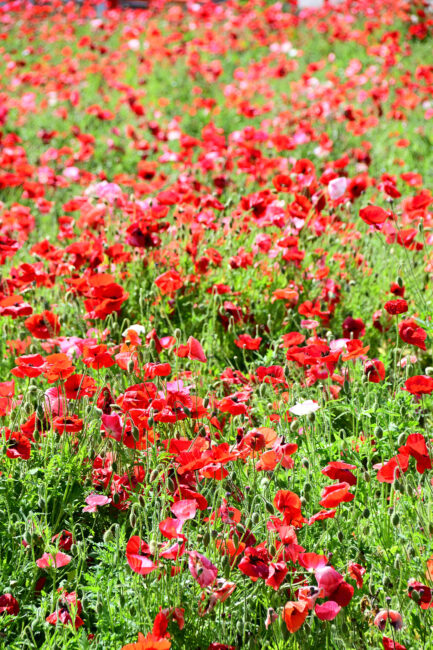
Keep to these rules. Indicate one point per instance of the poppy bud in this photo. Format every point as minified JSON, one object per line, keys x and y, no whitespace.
{"x":303,"y":501}
{"x":130,"y":366}
{"x":340,"y":537}
{"x":171,"y":484}
{"x":397,"y":561}
{"x":307,"y":488}
{"x":177,"y":333}
{"x":255,"y":517}
{"x":294,"y":426}
{"x":153,"y":547}
{"x":40,"y":412}
{"x":116,"y":498}
{"x":240,"y":528}
{"x":225,"y":561}
{"x":272,"y":550}
{"x":395,"y":519}
{"x":135,"y":433}
{"x":187,"y":411}
{"x":400,"y":281}
{"x":415,"y":595}
{"x":133,"y":516}
{"x":401,"y":439}
{"x":429,"y":371}
{"x":150,"y":421}
{"x":206,"y":402}
{"x":206,"y":539}
{"x":108,"y":535}
{"x":269,"y":507}
{"x":141,"y":501}
{"x":366,"y":513}
{"x":36,"y":435}
{"x":305,"y":463}
{"x":366,"y":476}
{"x":214,"y":533}
{"x":153,"y":475}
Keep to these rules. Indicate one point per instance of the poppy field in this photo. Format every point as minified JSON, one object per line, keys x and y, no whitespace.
{"x":216,"y":299}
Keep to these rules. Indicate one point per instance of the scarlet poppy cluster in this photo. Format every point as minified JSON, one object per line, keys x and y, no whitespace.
{"x":216,"y":250}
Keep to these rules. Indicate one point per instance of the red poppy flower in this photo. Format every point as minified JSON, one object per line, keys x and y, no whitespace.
{"x":424,"y":594}
{"x":246,"y":342}
{"x":289,"y":504}
{"x":202,"y":569}
{"x":149,"y":642}
{"x":9,"y":605}
{"x":137,"y":553}
{"x":375,"y":370}
{"x":277,"y":573}
{"x":18,"y":445}
{"x":356,"y":571}
{"x":28,"y":366}
{"x":339,"y":471}
{"x":333,"y":495}
{"x":353,"y":327}
{"x":327,"y":611}
{"x":419,"y":385}
{"x":58,"y":560}
{"x":68,"y":424}
{"x":390,"y":644}
{"x":388,"y":615}
{"x":282,"y":183}
{"x":79,"y":386}
{"x":395,"y":307}
{"x":169,"y":282}
{"x":411,"y":333}
{"x":43,"y":326}
{"x":294,"y":615}
{"x":373,"y":215}
{"x":255,"y":563}
{"x":391,"y":471}
{"x":57,"y":367}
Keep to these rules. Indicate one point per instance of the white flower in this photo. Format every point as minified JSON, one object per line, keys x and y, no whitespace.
{"x":304,"y":408}
{"x":139,"y":329}
{"x":337,"y":187}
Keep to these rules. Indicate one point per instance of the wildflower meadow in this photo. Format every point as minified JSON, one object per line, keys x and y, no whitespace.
{"x":216,"y":300}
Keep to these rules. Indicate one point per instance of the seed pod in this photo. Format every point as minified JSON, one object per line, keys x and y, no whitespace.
{"x":395,"y":519}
